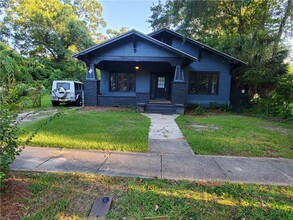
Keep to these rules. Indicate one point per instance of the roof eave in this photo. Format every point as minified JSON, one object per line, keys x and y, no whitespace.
{"x":198,"y":43}
{"x":133,"y":31}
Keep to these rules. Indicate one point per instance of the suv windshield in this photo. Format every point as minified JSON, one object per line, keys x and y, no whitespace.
{"x":66,"y":86}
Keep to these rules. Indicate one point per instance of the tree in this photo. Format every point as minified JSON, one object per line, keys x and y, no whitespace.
{"x":113,"y":33}
{"x":287,"y":15}
{"x":89,"y":12}
{"x":49,"y":28}
{"x":249,"y":30}
{"x":201,"y":19}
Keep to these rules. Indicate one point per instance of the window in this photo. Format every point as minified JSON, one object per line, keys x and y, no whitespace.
{"x":66,"y":86}
{"x":122,"y":82}
{"x":204,"y":83}
{"x":161,"y":82}
{"x":78,"y":86}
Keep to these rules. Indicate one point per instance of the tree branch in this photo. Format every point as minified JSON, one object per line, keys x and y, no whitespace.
{"x":281,"y":27}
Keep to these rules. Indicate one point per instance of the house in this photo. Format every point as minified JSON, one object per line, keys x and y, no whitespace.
{"x":159,"y":71}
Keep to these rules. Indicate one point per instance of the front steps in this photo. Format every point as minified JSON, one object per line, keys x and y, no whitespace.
{"x":162,"y":108}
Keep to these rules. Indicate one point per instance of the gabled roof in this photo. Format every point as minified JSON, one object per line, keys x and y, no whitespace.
{"x":196,"y":43}
{"x":139,"y":34}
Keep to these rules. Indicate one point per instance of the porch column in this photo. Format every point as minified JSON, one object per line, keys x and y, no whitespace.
{"x":179,"y":74}
{"x":179,"y":88}
{"x":91,"y":87}
{"x":91,"y":73}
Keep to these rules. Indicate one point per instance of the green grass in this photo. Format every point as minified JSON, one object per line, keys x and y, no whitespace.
{"x":46,"y":101}
{"x":123,"y":130}
{"x":70,"y":196}
{"x":229,"y":134}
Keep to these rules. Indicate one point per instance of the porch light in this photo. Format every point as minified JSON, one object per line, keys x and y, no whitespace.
{"x":136,"y":67}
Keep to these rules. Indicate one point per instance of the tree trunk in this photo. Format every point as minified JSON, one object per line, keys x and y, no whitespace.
{"x":288,"y":10}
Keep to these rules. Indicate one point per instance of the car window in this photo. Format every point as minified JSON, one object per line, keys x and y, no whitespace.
{"x":66,"y":86}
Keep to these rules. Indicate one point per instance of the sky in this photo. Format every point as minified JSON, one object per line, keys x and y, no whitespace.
{"x":132,"y":14}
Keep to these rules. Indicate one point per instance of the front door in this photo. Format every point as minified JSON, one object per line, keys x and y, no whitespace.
{"x":160,"y":86}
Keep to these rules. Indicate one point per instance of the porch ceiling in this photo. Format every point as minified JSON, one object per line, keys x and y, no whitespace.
{"x":129,"y":66}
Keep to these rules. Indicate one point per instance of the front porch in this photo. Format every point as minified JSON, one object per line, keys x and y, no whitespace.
{"x":151,"y":86}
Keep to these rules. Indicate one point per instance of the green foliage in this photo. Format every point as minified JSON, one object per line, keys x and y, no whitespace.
{"x":225,"y":107}
{"x":90,"y":13}
{"x":11,"y":80}
{"x":278,"y":102}
{"x":221,"y":107}
{"x":213,"y":105}
{"x":209,"y":20}
{"x":49,"y":28}
{"x":36,"y":94}
{"x":48,"y":33}
{"x":8,"y":140}
{"x":198,"y":110}
{"x":114,"y":33}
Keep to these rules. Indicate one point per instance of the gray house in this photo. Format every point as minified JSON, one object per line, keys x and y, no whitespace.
{"x":162,"y":71}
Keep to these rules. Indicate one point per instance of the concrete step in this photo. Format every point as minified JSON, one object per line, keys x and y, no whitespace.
{"x":160,"y":108}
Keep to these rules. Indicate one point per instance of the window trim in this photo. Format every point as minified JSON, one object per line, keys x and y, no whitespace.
{"x":197,"y":75}
{"x":117,"y":81}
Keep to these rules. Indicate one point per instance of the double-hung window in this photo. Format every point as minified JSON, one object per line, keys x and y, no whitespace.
{"x":122,"y":82}
{"x":204,"y":83}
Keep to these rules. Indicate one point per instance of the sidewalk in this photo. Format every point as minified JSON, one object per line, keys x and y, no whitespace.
{"x":169,"y":157}
{"x":167,"y":166}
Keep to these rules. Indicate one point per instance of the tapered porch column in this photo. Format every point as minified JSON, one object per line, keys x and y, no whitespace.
{"x":179,"y":88}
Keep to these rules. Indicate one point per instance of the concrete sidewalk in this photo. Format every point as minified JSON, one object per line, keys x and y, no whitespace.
{"x":168,"y":166}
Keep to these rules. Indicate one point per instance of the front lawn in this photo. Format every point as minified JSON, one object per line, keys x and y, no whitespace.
{"x":70,"y":196}
{"x":228,"y":134}
{"x":122,"y":130}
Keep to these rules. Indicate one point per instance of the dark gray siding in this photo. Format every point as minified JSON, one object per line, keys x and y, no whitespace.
{"x":113,"y":101}
{"x":208,"y":62}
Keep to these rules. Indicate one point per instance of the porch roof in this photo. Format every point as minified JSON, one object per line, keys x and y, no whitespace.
{"x":83,"y":54}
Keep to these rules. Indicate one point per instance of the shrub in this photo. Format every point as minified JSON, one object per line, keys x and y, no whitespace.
{"x":225,"y":107}
{"x":198,"y":110}
{"x":213,"y":105}
{"x":274,"y":105}
{"x":8,"y":141}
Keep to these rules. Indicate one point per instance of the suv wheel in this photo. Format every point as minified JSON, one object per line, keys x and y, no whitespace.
{"x":54,"y":103}
{"x":78,"y":102}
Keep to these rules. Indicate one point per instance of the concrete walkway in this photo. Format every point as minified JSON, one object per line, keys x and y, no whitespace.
{"x":165,"y":136}
{"x":169,"y":157}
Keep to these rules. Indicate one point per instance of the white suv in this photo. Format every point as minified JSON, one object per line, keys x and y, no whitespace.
{"x":66,"y":91}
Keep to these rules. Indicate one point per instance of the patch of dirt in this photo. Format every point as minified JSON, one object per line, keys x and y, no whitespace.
{"x":104,"y":109}
{"x":204,"y":127}
{"x":278,"y":129}
{"x":31,"y":116}
{"x":14,"y":190}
